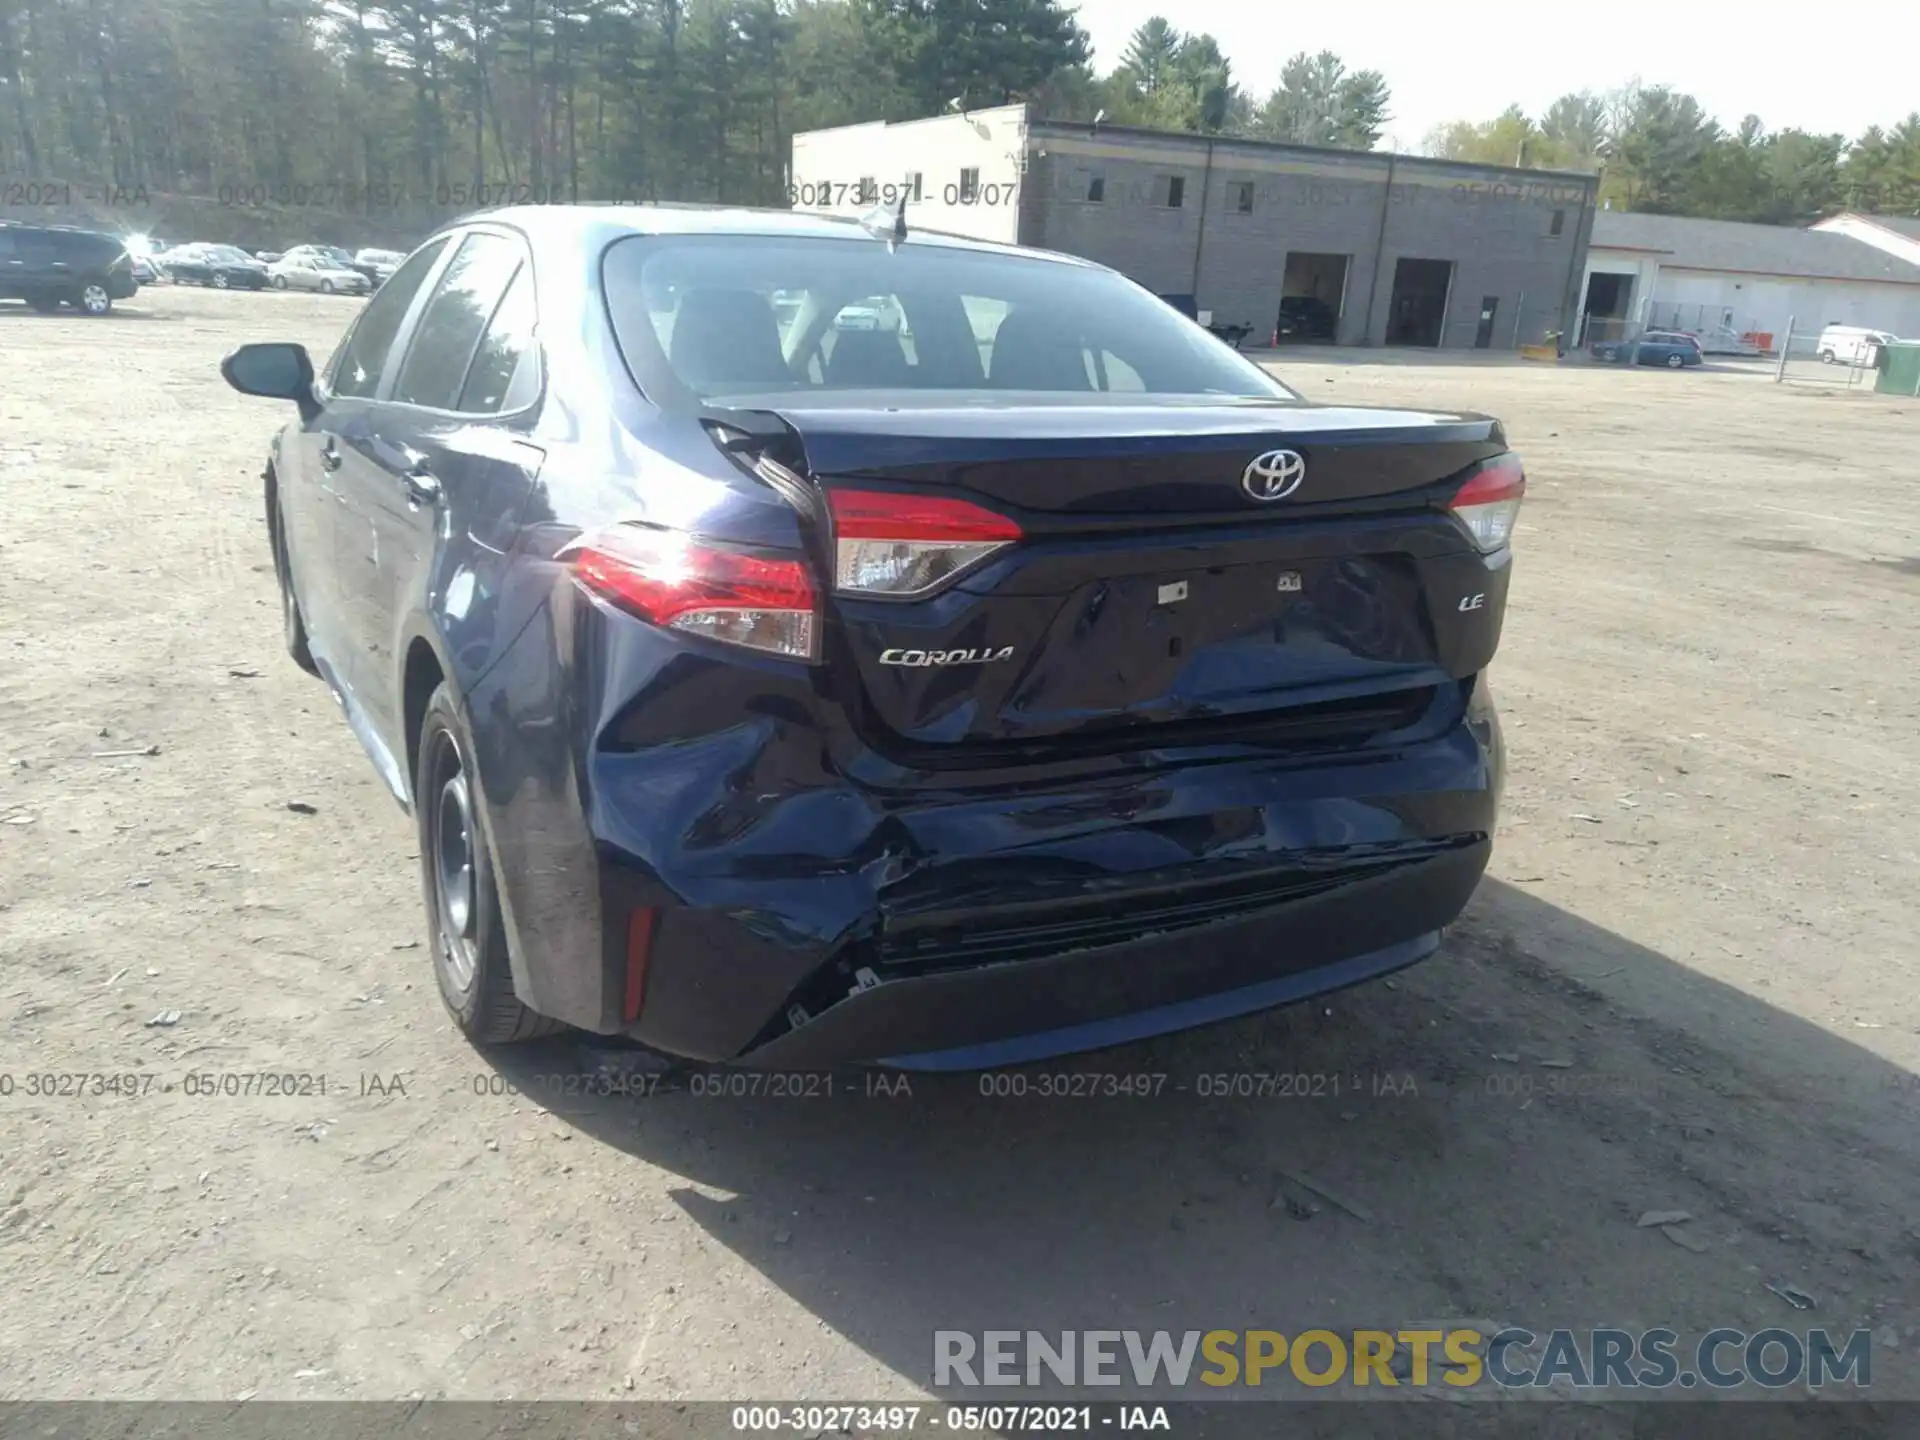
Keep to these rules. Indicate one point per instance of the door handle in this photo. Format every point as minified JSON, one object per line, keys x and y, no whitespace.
{"x":330,"y":455}
{"x":414,"y":469}
{"x":421,"y":487}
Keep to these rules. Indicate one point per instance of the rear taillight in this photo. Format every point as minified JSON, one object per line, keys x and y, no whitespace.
{"x":763,"y":601}
{"x":901,"y":545}
{"x":1488,"y":503}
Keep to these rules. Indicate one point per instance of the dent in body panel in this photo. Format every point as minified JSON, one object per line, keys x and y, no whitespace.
{"x":780,"y":870}
{"x":526,"y":717}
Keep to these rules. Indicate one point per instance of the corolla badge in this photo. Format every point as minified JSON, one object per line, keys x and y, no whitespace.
{"x":920,"y":659}
{"x":1274,"y":475}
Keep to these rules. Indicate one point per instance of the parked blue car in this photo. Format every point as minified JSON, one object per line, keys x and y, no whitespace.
{"x":1656,"y":347}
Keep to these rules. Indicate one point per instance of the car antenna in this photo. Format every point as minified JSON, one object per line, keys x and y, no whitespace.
{"x":888,"y":225}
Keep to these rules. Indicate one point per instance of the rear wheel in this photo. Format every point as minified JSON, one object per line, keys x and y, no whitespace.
{"x":326,"y":287}
{"x":468,"y":936}
{"x":1674,"y":362}
{"x":279,"y":282}
{"x":220,"y":281}
{"x":1827,"y":357}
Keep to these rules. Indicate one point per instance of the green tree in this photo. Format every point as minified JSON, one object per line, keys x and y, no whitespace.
{"x":1510,"y":138}
{"x":1803,"y":177}
{"x":1880,"y":174}
{"x":1151,"y":56}
{"x":1734,"y":180}
{"x":1319,"y":103}
{"x":1574,"y":132}
{"x":1660,"y":142}
{"x":977,"y":52}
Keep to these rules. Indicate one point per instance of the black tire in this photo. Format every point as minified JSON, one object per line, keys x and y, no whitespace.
{"x":293,"y":626}
{"x":466,"y":933}
{"x":220,"y":281}
{"x":92,"y":299}
{"x":1827,"y":357}
{"x":1674,"y":362}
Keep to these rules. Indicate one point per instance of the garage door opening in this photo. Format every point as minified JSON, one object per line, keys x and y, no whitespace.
{"x":1418,"y":312}
{"x":1608,"y":300}
{"x":1313,"y":295}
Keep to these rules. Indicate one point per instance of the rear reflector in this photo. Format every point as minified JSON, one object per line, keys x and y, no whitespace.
{"x":639,"y":951}
{"x":763,"y":601}
{"x":1488,"y":503}
{"x":901,"y":545}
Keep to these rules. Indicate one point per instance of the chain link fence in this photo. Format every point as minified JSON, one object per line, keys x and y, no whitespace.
{"x":1720,"y":329}
{"x":1808,"y":355}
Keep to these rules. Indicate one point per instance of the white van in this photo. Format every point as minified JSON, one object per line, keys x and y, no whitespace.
{"x":1851,"y":345}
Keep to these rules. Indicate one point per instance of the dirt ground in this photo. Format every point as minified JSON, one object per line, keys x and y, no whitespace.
{"x":1687,"y":984}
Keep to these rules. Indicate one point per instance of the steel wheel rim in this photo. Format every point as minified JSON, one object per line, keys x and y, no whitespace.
{"x":94,"y":299}
{"x":452,"y":858}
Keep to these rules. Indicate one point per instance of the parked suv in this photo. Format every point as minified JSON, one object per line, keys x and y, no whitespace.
{"x":53,"y":265}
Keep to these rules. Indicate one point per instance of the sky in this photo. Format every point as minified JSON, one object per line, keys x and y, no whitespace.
{"x":1470,"y":59}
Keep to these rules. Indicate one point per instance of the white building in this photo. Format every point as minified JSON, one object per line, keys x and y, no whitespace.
{"x":1724,"y":276}
{"x":961,"y":172}
{"x":1898,"y":235}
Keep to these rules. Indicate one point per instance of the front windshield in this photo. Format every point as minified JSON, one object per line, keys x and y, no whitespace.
{"x":711,"y":316}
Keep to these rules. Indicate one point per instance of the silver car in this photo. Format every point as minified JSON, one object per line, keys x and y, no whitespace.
{"x":382,"y":262}
{"x":305,"y":272}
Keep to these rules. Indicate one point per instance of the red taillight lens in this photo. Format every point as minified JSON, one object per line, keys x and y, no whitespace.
{"x":765,"y":602}
{"x":1488,"y":503}
{"x":892,"y":544}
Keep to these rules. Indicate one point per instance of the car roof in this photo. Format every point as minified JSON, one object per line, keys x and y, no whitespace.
{"x":49,"y":229}
{"x":596,"y":226}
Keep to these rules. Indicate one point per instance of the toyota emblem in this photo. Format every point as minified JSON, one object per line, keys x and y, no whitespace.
{"x":1274,"y":475}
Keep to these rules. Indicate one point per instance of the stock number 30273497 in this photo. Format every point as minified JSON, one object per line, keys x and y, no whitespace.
{"x":832,"y":193}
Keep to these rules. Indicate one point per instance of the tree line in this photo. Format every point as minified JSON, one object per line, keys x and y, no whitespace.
{"x":698,"y":100}
{"x":1659,"y":151}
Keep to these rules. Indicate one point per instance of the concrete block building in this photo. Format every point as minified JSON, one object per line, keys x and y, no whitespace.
{"x":1374,"y":249}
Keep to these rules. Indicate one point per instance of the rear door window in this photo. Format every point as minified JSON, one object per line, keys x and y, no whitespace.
{"x":358,"y":364}
{"x":505,"y":374}
{"x":448,"y":335}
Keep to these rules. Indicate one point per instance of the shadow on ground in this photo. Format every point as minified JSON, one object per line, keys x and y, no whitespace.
{"x":1474,"y":1141}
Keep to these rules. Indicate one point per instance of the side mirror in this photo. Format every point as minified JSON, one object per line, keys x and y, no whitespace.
{"x":275,"y":371}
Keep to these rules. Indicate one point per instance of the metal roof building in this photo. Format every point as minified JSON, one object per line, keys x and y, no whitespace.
{"x":1727,"y":276}
{"x":1359,"y":247}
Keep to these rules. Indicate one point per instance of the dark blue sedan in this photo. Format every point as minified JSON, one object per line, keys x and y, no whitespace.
{"x":1023,"y":673}
{"x":1656,"y":347}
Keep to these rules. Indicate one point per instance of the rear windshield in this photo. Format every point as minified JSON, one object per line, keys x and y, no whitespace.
{"x":710,"y":317}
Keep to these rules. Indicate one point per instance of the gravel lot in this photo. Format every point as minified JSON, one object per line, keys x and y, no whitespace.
{"x":1687,"y":984}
